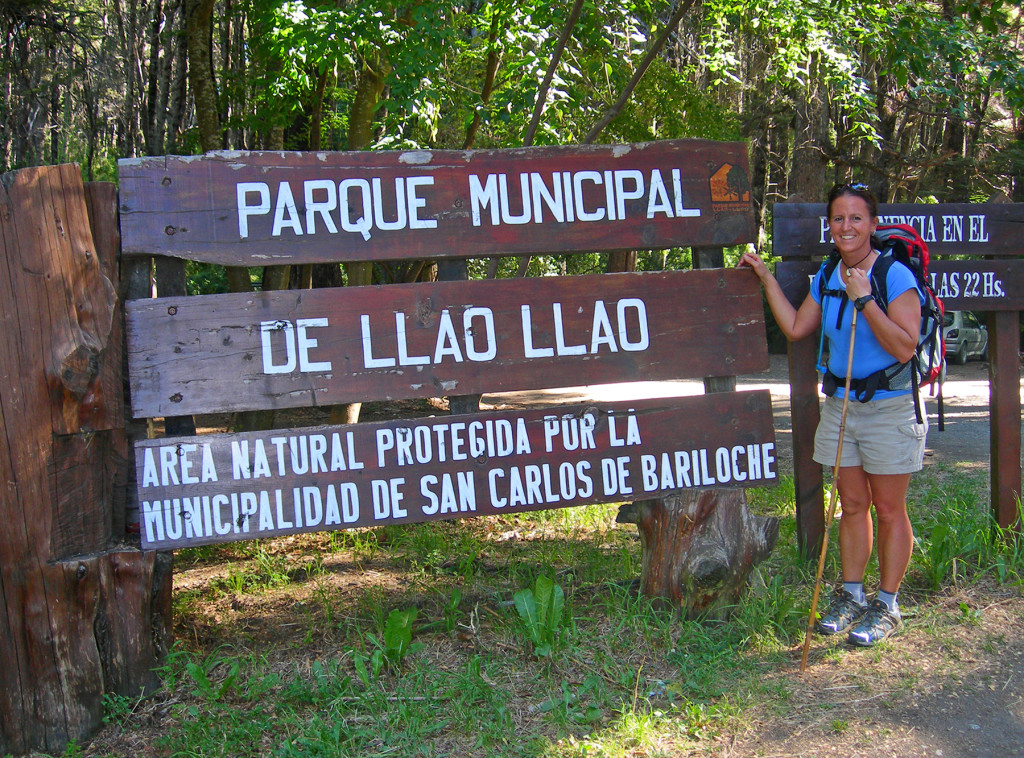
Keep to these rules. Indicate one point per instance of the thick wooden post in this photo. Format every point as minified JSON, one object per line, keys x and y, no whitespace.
{"x":1005,"y":416}
{"x":455,"y":270}
{"x":808,"y":479}
{"x":133,"y":620}
{"x":66,"y":601}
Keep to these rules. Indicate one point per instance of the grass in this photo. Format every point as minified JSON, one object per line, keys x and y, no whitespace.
{"x":413,"y":640}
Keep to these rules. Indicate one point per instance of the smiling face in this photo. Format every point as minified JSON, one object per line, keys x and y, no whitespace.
{"x":851,"y":224}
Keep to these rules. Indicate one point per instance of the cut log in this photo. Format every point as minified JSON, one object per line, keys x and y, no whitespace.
{"x":699,"y":548}
{"x":76,"y":614}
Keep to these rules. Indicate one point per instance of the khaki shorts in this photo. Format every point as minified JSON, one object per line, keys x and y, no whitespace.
{"x":882,"y":436}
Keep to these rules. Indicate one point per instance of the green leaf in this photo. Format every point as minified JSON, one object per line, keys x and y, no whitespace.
{"x":398,"y":634}
{"x":526,"y":605}
{"x":543,"y":590}
{"x":359,"y":663}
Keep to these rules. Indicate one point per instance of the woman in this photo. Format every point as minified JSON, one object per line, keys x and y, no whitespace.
{"x":883,"y":441}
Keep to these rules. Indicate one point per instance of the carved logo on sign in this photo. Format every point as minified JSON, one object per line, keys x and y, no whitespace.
{"x":730,"y":188}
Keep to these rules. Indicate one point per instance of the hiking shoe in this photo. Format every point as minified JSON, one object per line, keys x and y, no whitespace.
{"x":877,"y":624}
{"x":841,"y":615}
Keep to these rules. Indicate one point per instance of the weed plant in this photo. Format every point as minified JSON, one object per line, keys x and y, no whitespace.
{"x":957,"y":538}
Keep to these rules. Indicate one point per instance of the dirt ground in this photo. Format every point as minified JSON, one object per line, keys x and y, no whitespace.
{"x":944,"y":688}
{"x":952,"y":685}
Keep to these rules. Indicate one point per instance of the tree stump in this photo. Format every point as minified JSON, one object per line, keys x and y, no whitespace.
{"x":699,"y":548}
{"x":80,"y":614}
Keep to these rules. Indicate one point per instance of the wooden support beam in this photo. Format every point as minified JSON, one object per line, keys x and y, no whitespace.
{"x":1005,"y":416}
{"x":457,"y":270}
{"x":808,"y":478}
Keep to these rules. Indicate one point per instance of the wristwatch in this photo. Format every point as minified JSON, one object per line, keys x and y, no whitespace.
{"x":861,"y":302}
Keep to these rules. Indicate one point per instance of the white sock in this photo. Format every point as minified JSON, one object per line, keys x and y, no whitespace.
{"x":857,"y":590}
{"x":889,"y":598}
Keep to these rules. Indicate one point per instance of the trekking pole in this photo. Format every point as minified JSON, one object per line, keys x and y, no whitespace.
{"x":832,"y":496}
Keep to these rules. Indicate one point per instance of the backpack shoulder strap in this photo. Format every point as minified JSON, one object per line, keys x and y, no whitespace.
{"x":828,"y":267}
{"x":880,"y":277}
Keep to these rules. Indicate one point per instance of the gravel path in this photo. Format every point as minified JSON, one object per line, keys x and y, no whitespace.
{"x":963,"y":441}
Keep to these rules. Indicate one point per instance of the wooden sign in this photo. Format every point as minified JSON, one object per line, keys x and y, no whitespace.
{"x":261,"y":208}
{"x":225,"y":487}
{"x":293,"y":348}
{"x":801,"y":230}
{"x":989,"y":285}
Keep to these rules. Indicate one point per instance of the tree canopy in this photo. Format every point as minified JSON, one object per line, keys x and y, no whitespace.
{"x":922,"y":100}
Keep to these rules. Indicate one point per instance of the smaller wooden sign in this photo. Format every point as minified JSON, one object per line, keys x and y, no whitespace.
{"x":989,"y":285}
{"x":801,"y":230}
{"x":226,"y":487}
{"x":292,"y":348}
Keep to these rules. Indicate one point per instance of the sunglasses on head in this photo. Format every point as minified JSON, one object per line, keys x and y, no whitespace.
{"x":855,"y":186}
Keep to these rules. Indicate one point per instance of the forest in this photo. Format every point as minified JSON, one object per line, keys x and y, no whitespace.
{"x":922,"y":100}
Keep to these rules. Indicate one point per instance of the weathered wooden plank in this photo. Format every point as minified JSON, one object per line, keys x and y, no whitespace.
{"x":101,"y":203}
{"x":988,"y":285}
{"x":248,"y":351}
{"x":56,"y":314}
{"x":800,"y":229}
{"x":224,"y":487}
{"x":134,"y":619}
{"x":84,"y":469}
{"x":1005,"y":417}
{"x":262,"y":208}
{"x":15,"y":487}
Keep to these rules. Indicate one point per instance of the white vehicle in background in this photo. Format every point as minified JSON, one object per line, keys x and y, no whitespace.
{"x":965,"y":337}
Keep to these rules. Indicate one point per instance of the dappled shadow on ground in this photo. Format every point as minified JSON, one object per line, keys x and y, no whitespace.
{"x":952,"y":685}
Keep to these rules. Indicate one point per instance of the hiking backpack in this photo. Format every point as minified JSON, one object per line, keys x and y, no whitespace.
{"x":901,"y":242}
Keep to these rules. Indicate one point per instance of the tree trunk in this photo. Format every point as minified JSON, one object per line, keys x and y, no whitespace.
{"x":364,"y":106}
{"x":626,"y":261}
{"x":149,"y":125}
{"x":549,"y":74}
{"x":1018,"y":167}
{"x":126,"y":22}
{"x":807,"y":171}
{"x":493,"y":57}
{"x":204,"y":93}
{"x":79,"y":618}
{"x":699,"y":548}
{"x":178,"y":89}
{"x":200,"y":72}
{"x":360,"y":136}
{"x":627,"y":92}
{"x":621,"y":261}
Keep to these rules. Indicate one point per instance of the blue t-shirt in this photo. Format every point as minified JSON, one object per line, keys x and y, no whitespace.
{"x":868,"y":355}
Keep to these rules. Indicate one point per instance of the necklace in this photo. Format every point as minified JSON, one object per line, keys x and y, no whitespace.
{"x":848,"y":267}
